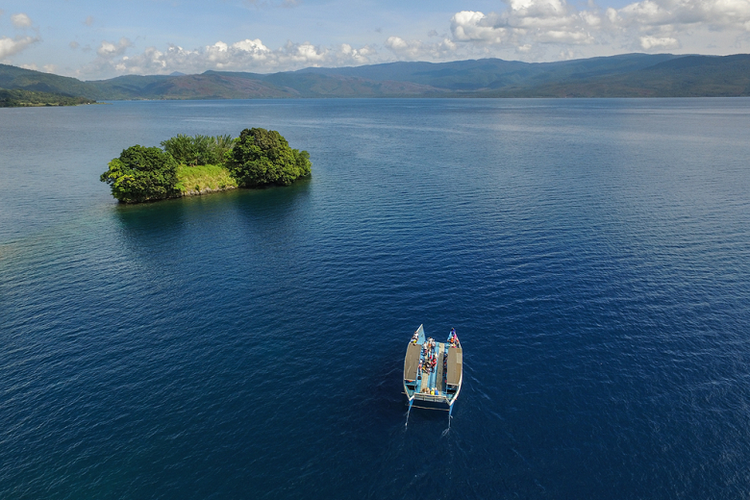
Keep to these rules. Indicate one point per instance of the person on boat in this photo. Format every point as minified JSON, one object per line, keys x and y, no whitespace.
{"x":453,"y":338}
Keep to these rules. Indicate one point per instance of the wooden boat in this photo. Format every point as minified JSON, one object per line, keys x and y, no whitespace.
{"x":433,"y":371}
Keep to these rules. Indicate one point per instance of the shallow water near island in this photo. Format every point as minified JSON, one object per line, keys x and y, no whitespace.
{"x":593,"y":255}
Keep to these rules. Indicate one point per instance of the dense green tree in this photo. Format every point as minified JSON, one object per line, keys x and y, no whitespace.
{"x":261,"y":157}
{"x":142,"y":174}
{"x":23,"y":98}
{"x":199,"y":149}
{"x":222,"y":145}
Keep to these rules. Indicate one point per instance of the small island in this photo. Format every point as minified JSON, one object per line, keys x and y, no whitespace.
{"x":200,"y":164}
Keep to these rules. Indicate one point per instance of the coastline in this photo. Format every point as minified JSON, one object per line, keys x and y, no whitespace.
{"x":205,"y":191}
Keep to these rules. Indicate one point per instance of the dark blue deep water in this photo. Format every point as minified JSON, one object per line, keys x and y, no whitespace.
{"x":593,"y":255}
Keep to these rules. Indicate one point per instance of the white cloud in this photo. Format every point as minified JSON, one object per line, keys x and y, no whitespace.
{"x":20,"y":20}
{"x":525,"y":24}
{"x":253,"y":46}
{"x":658,"y":25}
{"x":305,"y":53}
{"x":564,"y":37}
{"x":528,"y":18}
{"x":47,"y":68}
{"x":591,"y":18}
{"x":468,"y":25}
{"x":12,"y":46}
{"x":612,"y":15}
{"x":418,"y":50}
{"x":528,"y":26}
{"x":244,"y":55}
{"x":109,"y":50}
{"x":539,"y":8}
{"x":711,"y":13}
{"x":650,"y":42}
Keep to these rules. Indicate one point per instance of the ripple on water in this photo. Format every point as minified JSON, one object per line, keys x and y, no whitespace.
{"x":592,"y":254}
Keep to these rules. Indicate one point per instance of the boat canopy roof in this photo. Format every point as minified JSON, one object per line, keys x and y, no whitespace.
{"x":455,"y":365}
{"x":411,"y":362}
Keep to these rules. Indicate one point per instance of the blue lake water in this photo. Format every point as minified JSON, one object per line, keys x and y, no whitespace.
{"x":593,"y":255}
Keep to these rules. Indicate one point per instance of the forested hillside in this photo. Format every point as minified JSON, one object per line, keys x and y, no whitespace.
{"x":628,"y":75}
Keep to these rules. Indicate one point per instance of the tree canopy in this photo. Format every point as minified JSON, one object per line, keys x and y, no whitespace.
{"x":198,"y":150}
{"x":26,"y":98}
{"x":142,"y":174}
{"x":263,"y":157}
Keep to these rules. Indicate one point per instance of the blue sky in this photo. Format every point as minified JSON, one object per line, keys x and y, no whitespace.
{"x":94,"y":39}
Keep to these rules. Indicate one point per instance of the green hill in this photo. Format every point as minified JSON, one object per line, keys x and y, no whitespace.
{"x":13,"y":78}
{"x":688,"y":76}
{"x":627,"y":75}
{"x":484,"y":74}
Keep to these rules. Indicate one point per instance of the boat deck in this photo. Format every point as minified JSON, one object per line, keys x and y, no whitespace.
{"x":434,"y":380}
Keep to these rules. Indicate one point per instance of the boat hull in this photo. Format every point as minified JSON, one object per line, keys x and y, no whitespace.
{"x":433,"y":372}
{"x":431,"y":404}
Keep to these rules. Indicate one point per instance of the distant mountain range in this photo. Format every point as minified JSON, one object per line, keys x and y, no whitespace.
{"x":629,"y":75}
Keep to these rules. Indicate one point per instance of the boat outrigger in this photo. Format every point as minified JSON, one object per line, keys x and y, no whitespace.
{"x":433,"y":371}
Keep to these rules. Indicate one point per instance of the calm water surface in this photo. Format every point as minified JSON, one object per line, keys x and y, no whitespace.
{"x":593,"y":255}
